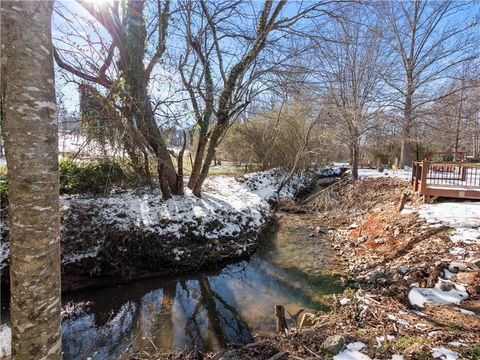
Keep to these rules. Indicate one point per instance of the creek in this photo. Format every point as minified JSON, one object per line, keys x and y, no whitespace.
{"x":209,"y":309}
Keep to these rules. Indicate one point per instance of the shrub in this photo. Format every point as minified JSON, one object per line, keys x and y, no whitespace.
{"x":67,"y":172}
{"x":91,"y":177}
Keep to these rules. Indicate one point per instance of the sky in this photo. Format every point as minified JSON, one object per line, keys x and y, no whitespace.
{"x":69,"y":90}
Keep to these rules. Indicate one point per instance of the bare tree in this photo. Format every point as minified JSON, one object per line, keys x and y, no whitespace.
{"x":432,"y":38}
{"x":349,"y":69}
{"x":137,"y":44}
{"x":31,"y":139}
{"x":224,"y":60}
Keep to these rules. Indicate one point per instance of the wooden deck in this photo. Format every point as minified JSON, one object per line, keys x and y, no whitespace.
{"x":446,"y":179}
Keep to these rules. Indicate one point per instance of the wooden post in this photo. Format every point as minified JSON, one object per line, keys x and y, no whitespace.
{"x":281,"y":321}
{"x":423,"y":176}
{"x":403,"y":201}
{"x":463,"y":173}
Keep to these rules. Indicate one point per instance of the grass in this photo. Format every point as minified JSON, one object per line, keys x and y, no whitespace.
{"x":402,"y":343}
{"x":227,"y":168}
{"x":473,"y":351}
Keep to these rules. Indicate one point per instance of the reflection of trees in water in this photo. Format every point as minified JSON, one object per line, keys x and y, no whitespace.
{"x":163,"y":323}
{"x":207,"y":308}
{"x":215,"y":337}
{"x":82,"y":337}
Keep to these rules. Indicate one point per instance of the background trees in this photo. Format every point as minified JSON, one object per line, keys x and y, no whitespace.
{"x":350,"y":68}
{"x":386,"y":73}
{"x":226,"y":58}
{"x":432,"y":39}
{"x":31,"y":138}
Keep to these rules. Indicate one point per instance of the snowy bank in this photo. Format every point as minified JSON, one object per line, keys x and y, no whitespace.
{"x":136,"y":232}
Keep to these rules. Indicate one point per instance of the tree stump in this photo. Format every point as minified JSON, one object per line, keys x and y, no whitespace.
{"x":281,"y":321}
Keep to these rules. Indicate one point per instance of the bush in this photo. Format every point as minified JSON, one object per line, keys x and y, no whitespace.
{"x":67,"y":172}
{"x":91,"y":177}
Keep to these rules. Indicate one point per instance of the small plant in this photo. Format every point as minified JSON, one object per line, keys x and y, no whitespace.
{"x":67,"y":172}
{"x":473,"y":352}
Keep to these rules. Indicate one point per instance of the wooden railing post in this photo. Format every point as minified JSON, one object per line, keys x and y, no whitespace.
{"x":463,"y":173}
{"x":423,"y":176}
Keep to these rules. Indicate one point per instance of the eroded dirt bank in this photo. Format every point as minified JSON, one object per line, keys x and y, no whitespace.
{"x":415,"y":290}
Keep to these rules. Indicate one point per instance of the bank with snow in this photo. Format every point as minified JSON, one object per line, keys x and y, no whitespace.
{"x":133,"y":234}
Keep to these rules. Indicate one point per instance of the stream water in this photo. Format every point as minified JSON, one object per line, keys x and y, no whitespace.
{"x":208,"y":309}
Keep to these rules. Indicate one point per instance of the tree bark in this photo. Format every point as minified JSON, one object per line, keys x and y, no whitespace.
{"x":212,"y":146}
{"x":143,"y":118}
{"x":407,"y":119}
{"x":197,"y":164}
{"x":355,"y":157}
{"x":31,"y":139}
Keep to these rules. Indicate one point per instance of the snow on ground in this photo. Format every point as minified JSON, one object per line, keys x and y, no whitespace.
{"x":5,"y":340}
{"x":463,"y":217}
{"x":453,"y":294}
{"x":221,"y":193}
{"x":227,"y":209}
{"x":352,"y":352}
{"x":444,"y":354}
{"x":374,"y":173}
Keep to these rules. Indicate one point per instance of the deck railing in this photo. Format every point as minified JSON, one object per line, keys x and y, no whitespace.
{"x":449,"y":179}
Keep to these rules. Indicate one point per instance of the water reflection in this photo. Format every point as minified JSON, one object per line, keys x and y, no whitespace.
{"x":206,"y":310}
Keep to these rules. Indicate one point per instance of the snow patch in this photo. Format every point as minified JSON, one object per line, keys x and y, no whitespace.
{"x":374,"y":173}
{"x":444,"y":354}
{"x":463,"y":217}
{"x":5,"y":340}
{"x":352,"y":352}
{"x":420,"y":296}
{"x":344,"y":301}
{"x":381,"y":339}
{"x":466,"y":312}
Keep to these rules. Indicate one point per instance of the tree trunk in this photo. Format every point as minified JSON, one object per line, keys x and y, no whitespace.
{"x":143,"y":117}
{"x":31,"y":139}
{"x":355,"y":157}
{"x":197,"y":164}
{"x":212,"y":146}
{"x":146,"y":167}
{"x":407,"y":123}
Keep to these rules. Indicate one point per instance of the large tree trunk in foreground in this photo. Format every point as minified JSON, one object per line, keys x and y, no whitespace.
{"x":31,"y":139}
